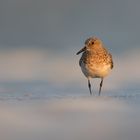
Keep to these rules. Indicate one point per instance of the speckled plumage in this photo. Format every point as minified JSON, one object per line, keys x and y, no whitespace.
{"x":96,"y":61}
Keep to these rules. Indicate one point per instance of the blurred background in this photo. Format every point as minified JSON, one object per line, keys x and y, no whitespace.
{"x":39,"y":40}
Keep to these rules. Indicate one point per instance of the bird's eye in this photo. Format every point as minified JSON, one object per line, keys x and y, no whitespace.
{"x":92,"y":42}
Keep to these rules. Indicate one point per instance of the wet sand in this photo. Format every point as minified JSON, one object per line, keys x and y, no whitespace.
{"x":83,"y":118}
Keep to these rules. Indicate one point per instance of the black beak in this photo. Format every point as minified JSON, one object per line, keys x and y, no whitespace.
{"x":82,"y":50}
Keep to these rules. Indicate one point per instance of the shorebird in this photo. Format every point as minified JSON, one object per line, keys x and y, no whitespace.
{"x":96,"y":61}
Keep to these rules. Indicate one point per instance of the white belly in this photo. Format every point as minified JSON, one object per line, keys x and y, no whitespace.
{"x":95,"y":71}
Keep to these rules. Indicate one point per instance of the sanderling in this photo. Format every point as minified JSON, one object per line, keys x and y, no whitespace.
{"x":96,"y":61}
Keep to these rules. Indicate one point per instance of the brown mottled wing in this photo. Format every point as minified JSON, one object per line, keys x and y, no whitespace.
{"x":111,"y":61}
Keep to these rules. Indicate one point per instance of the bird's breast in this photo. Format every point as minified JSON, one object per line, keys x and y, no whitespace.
{"x":95,"y":71}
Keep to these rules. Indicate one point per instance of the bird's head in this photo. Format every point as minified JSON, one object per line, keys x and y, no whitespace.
{"x":90,"y":44}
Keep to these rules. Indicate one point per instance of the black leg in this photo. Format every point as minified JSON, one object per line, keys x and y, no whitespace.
{"x":89,"y":85}
{"x":100,"y":86}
